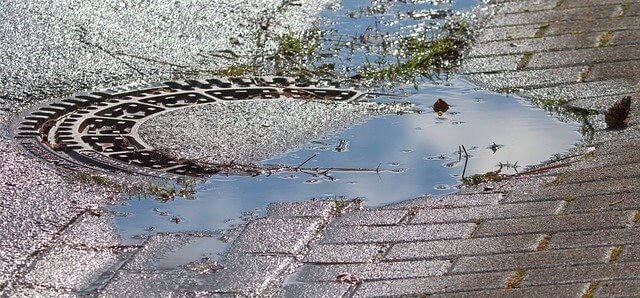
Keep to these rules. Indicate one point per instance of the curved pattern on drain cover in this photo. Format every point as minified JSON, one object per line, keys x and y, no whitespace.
{"x":100,"y":129}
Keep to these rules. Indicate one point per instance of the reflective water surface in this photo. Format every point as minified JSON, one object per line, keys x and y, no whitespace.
{"x":401,"y":157}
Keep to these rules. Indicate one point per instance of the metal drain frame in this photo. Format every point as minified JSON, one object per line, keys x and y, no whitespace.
{"x":99,"y":130}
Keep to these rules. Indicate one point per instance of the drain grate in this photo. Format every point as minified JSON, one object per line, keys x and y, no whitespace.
{"x":99,"y":129}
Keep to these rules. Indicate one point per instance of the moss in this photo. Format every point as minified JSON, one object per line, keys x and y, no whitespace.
{"x":557,"y":181}
{"x":605,"y":38}
{"x":569,"y":198}
{"x":515,"y":279}
{"x":636,"y":218}
{"x":591,"y":290}
{"x":541,"y":31}
{"x":615,"y":253}
{"x":340,"y":205}
{"x":236,"y":71}
{"x":544,"y":243}
{"x":524,"y":60}
{"x":482,"y":178}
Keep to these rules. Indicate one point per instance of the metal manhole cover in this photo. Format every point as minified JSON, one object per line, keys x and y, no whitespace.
{"x":100,"y":129}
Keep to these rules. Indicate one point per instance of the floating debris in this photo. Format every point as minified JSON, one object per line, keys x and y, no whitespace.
{"x":616,"y":116}
{"x":440,"y":106}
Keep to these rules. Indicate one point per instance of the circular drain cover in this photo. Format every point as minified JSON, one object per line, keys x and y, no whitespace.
{"x":100,"y":129}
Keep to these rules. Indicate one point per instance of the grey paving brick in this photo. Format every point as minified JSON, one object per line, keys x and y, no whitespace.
{"x":578,"y":13}
{"x":475,"y":213}
{"x":583,"y":56}
{"x":312,"y":290}
{"x":373,"y":271}
{"x":390,"y":234}
{"x":623,"y":69}
{"x":618,"y":288}
{"x":587,"y":188}
{"x":622,"y":201}
{"x":135,"y":285}
{"x":429,"y":285}
{"x":599,"y":25}
{"x":630,"y":253}
{"x":549,"y":43}
{"x":343,"y":253}
{"x":449,"y":201}
{"x":595,"y":238}
{"x":572,"y":290}
{"x":527,"y":5}
{"x":556,"y":223}
{"x":313,"y":208}
{"x":539,"y":259}
{"x":581,"y":273}
{"x":585,"y":3}
{"x":245,"y":274}
{"x":276,"y":235}
{"x":632,"y":9}
{"x":490,"y":64}
{"x":64,"y":267}
{"x":156,"y":249}
{"x":93,"y":231}
{"x":528,"y":78}
{"x":602,"y":104}
{"x":582,"y":90}
{"x":370,"y":217}
{"x":625,"y":37}
{"x":25,"y":292}
{"x":507,"y":33}
{"x":462,"y":247}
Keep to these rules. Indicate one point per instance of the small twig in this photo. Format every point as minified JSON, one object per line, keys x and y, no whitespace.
{"x":466,"y":160}
{"x":616,"y":202}
{"x":308,"y":159}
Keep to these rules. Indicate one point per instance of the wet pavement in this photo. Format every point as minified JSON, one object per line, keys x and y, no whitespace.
{"x":565,"y":229}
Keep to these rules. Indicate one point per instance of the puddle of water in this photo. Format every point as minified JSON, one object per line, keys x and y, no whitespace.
{"x":416,"y":154}
{"x":406,"y":155}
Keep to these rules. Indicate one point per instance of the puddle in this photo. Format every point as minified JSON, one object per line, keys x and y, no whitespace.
{"x":400,"y":156}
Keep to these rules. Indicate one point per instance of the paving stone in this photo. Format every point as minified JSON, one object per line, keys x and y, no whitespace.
{"x":632,"y":9}
{"x":276,"y":235}
{"x":618,"y":288}
{"x":449,"y":201}
{"x":583,"y":56}
{"x":490,"y":64}
{"x":244,"y":274}
{"x":545,"y":16}
{"x":39,"y":293}
{"x":550,"y":43}
{"x":630,"y":253}
{"x":625,"y":37}
{"x":582,"y":90}
{"x":93,"y":231}
{"x":64,"y":267}
{"x":314,"y":208}
{"x":429,"y":285}
{"x":134,"y":285}
{"x":623,"y":69}
{"x":343,"y":253}
{"x":581,"y":273}
{"x":572,"y":290}
{"x":585,"y":3}
{"x":539,"y":259}
{"x":507,"y":33}
{"x":556,"y":223}
{"x":475,"y":213}
{"x":622,"y":201}
{"x":156,"y":249}
{"x":373,"y":271}
{"x":312,"y":290}
{"x":462,"y":247}
{"x":595,"y":238}
{"x":527,"y":5}
{"x":390,"y":234}
{"x":528,"y":78}
{"x":602,"y":104}
{"x":599,"y":25}
{"x":604,"y":173}
{"x":370,"y":217}
{"x":582,"y":189}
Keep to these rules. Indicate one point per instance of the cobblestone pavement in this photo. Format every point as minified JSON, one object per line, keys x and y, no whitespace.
{"x":568,"y":230}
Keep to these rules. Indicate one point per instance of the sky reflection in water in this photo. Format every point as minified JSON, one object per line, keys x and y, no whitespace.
{"x":409,"y":149}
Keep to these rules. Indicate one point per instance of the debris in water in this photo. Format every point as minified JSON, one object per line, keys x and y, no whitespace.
{"x":440,"y":106}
